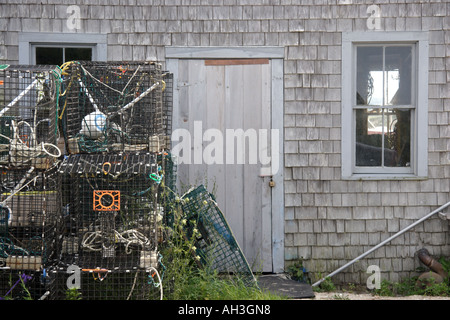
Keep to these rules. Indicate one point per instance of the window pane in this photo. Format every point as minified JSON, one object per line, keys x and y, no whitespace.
{"x":79,"y":54}
{"x":383,"y":137}
{"x":398,"y":138}
{"x":398,"y":66}
{"x":49,"y":55}
{"x":368,"y":137}
{"x":369,"y":78}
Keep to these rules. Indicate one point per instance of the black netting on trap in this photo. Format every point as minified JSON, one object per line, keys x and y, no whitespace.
{"x":22,"y":285}
{"x":30,"y":211}
{"x":100,"y":284}
{"x":28,"y":115}
{"x":112,"y":210}
{"x":216,"y":244}
{"x":168,"y":189}
{"x":114,"y":106}
{"x":167,"y":108}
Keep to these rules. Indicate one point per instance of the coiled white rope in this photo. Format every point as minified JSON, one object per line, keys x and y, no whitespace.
{"x":19,"y":149}
{"x":94,"y":240}
{"x":159,"y":281}
{"x":156,"y":285}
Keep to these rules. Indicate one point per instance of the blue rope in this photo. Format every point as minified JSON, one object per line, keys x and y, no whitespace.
{"x":8,"y":248}
{"x":151,"y":281}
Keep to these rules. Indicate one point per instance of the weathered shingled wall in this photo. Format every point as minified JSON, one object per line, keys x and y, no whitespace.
{"x":328,"y":221}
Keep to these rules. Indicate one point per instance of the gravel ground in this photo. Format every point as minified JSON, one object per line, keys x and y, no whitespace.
{"x":367,"y":296}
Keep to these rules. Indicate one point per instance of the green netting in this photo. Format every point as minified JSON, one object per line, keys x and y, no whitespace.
{"x":6,"y":133}
{"x":4,"y":217}
{"x":167,"y":187}
{"x":216,"y":245}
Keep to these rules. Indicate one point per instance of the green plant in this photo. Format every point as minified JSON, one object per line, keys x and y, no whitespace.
{"x":411,"y":286}
{"x":351,"y":287}
{"x":21,"y":293}
{"x":73,"y":294}
{"x":207,"y":285}
{"x":26,"y":295}
{"x":386,"y":289}
{"x":436,"y":289}
{"x":340,"y":296}
{"x":445,"y":263}
{"x":185,"y":278}
{"x":298,"y":272}
{"x":177,"y":252}
{"x":327,"y":285}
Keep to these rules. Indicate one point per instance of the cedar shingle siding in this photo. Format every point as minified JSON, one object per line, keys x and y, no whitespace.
{"x":328,"y":220}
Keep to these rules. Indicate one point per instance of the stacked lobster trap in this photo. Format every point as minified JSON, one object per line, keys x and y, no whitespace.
{"x":30,"y":224}
{"x":29,"y":194}
{"x":83,"y":160}
{"x":115,"y":107}
{"x":111,"y":224}
{"x":116,"y":122}
{"x":111,"y":210}
{"x":28,"y":107}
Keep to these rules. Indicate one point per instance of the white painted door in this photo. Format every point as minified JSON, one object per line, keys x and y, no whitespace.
{"x":216,"y":99}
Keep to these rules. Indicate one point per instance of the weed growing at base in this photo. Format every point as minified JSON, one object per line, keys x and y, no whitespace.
{"x":186,"y":279}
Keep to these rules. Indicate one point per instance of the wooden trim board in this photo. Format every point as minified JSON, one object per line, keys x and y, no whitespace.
{"x":234,"y":62}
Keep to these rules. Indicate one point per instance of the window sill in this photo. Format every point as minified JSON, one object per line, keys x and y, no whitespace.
{"x":365,"y":176}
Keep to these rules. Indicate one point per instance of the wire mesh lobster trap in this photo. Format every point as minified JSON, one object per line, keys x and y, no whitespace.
{"x":167,"y":109}
{"x":28,"y":115}
{"x":22,"y":285}
{"x":30,"y":211}
{"x":112,"y":210}
{"x":100,"y":284}
{"x":115,"y":106}
{"x":215,"y":245}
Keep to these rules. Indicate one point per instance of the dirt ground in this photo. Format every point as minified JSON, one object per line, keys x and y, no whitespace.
{"x":367,"y":296}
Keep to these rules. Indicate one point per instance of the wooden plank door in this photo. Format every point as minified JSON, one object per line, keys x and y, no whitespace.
{"x":230,"y":95}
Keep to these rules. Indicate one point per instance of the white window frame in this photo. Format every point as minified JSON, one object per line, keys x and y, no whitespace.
{"x":28,"y":41}
{"x":419,"y":116}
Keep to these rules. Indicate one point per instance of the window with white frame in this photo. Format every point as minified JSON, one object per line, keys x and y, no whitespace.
{"x":384,"y":105}
{"x":57,"y":48}
{"x":57,"y":54}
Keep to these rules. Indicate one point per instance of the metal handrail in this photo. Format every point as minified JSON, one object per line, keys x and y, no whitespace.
{"x":383,"y":243}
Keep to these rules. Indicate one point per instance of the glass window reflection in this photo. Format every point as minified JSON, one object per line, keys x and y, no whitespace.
{"x":384,"y":76}
{"x":383,"y":137}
